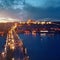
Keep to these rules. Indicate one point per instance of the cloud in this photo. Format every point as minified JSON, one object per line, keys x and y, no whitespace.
{"x":44,"y":3}
{"x":35,"y":3}
{"x":32,"y":9}
{"x":52,"y":3}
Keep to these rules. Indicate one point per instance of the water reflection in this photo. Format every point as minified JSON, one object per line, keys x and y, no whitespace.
{"x":40,"y":46}
{"x":34,"y":34}
{"x":28,"y":33}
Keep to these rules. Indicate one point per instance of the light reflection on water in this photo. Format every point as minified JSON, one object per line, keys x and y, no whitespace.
{"x":40,"y":46}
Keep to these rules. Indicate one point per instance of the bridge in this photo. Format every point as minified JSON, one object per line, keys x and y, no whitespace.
{"x":14,"y":46}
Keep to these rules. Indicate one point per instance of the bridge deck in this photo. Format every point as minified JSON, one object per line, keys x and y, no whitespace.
{"x":14,"y":48}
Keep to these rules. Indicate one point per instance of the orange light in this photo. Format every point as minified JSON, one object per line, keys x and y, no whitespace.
{"x":12,"y":41}
{"x":38,"y":22}
{"x":34,"y":22}
{"x":50,"y":22}
{"x":42,"y":23}
{"x":44,"y":31}
{"x":12,"y":46}
{"x":3,"y":54}
{"x":34,"y":33}
{"x":8,"y":43}
{"x":13,"y":59}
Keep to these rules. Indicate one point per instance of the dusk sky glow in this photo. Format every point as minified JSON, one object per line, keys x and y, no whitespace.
{"x":30,"y":9}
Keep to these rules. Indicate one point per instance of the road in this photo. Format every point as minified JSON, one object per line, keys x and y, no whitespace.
{"x":14,"y":44}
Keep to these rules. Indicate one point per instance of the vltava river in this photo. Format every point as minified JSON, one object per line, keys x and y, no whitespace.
{"x":40,"y":46}
{"x":43,"y":46}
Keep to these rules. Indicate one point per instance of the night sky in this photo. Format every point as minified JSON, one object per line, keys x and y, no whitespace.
{"x":30,"y":9}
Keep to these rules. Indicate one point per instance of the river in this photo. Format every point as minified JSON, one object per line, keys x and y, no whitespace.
{"x":43,"y":46}
{"x":40,"y":46}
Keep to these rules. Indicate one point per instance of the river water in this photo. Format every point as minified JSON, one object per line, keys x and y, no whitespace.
{"x":40,"y":46}
{"x":43,"y":46}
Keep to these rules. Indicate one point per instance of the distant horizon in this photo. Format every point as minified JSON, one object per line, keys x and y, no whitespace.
{"x":6,"y":20}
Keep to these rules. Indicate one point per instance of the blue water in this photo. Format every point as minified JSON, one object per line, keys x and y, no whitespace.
{"x":2,"y":43}
{"x":42,"y":46}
